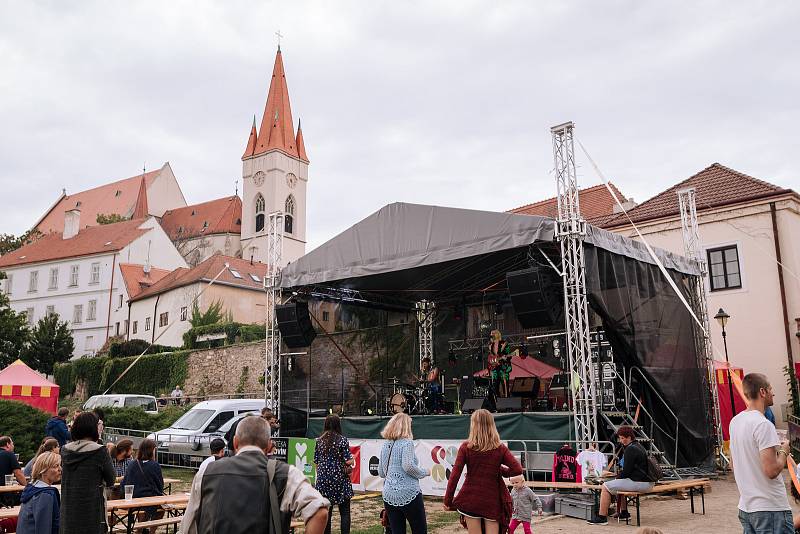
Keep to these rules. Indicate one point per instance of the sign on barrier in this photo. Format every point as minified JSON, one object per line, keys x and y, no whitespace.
{"x":301,"y":455}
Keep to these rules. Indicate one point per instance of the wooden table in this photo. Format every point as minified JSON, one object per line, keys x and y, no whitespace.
{"x":16,"y":488}
{"x":124,"y":511}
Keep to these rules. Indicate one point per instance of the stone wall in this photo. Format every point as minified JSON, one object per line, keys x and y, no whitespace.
{"x":222,"y":370}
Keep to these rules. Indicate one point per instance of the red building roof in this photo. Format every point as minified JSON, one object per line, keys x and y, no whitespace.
{"x":715,"y":186}
{"x":597,"y":205}
{"x":207,"y":270}
{"x":136,"y":280}
{"x":88,"y":241}
{"x":140,"y":210}
{"x":220,"y":216}
{"x":117,"y":197}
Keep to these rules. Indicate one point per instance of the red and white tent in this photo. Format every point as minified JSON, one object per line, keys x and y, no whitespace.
{"x":19,"y":382}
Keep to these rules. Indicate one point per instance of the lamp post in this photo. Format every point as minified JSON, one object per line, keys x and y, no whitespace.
{"x":722,"y":319}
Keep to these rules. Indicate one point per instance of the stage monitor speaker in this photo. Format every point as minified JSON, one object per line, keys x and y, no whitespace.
{"x":535,"y":296}
{"x":470,"y":405}
{"x":294,"y":323}
{"x":527,"y":386}
{"x":509,"y":404}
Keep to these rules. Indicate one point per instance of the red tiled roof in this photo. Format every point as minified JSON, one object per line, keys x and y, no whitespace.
{"x":220,"y":216}
{"x":251,"y":141}
{"x":206,"y":271}
{"x":301,"y":145}
{"x":277,"y":128}
{"x":117,"y":197}
{"x":597,"y":205}
{"x":88,"y":241}
{"x":136,"y":280}
{"x":715,"y":186}
{"x":140,"y":210}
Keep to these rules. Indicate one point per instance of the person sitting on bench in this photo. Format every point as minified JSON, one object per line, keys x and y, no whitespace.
{"x":633,"y":477}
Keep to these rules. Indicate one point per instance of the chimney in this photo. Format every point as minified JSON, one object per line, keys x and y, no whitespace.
{"x":72,"y":223}
{"x":627,"y":204}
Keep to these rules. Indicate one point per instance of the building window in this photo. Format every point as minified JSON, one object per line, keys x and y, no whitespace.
{"x":9,"y":283}
{"x":260,"y":207}
{"x":120,"y":301}
{"x":77,"y":314}
{"x":89,"y":343}
{"x":724,"y":272}
{"x":146,"y":324}
{"x":288,"y":215}
{"x":184,"y":313}
{"x":53,"y":279}
{"x":50,"y":310}
{"x":116,"y":329}
{"x":163,"y":319}
{"x":125,"y":327}
{"x":29,"y":316}
{"x":91,"y":311}
{"x":94,"y":277}
{"x":33,"y":282}
{"x":326,"y":316}
{"x":235,"y":273}
{"x":73,"y":275}
{"x":135,"y":326}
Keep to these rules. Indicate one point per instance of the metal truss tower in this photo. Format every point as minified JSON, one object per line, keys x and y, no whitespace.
{"x":692,"y":249}
{"x":570,"y":231}
{"x":426,"y":313}
{"x":272,"y":281}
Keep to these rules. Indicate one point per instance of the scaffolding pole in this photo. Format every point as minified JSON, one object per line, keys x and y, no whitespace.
{"x":272,"y":280}
{"x":571,"y":231}
{"x":426,"y":313}
{"x":693,"y":250}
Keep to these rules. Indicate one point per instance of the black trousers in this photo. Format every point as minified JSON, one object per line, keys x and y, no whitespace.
{"x":414,"y":512}
{"x":344,"y":513}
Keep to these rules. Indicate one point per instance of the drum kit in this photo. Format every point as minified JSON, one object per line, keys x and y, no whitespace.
{"x":411,"y":399}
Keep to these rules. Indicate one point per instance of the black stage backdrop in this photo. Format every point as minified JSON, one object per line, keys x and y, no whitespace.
{"x":648,"y":327}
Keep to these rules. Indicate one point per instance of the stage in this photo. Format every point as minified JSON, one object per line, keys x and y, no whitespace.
{"x":523,"y":426}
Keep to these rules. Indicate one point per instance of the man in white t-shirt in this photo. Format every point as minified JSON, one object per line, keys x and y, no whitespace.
{"x":217,"y":447}
{"x":758,"y":458}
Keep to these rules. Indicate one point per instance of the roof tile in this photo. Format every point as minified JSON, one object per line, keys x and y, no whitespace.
{"x":136,"y":280}
{"x":220,"y":216}
{"x":597,"y":205}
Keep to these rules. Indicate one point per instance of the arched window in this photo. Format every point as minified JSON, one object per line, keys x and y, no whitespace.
{"x":288,"y":215}
{"x":260,"y":204}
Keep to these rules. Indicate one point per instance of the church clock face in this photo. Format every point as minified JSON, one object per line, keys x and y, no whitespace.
{"x":291,"y":180}
{"x":258,"y":178}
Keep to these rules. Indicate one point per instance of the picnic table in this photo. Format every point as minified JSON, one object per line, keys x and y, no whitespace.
{"x":122,"y":512}
{"x":16,"y":488}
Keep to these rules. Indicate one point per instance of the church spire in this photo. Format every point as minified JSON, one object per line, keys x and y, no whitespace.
{"x":277,"y":128}
{"x":251,"y":141}
{"x":301,"y":146}
{"x":140,"y":210}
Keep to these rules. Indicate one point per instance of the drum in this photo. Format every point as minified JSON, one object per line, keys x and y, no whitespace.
{"x":402,"y":402}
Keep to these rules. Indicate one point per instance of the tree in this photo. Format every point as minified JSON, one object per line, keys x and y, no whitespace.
{"x":14,"y":333}
{"x":10,"y":243}
{"x":111,"y":218}
{"x":50,"y":343}
{"x":213,"y":315}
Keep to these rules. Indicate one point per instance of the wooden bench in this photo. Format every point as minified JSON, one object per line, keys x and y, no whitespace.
{"x":697,"y":485}
{"x":163,"y":522}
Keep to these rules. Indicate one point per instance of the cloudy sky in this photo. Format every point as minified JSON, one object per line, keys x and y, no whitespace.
{"x":446,"y":103}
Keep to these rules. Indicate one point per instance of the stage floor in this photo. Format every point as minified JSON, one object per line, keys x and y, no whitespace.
{"x":511,"y":426}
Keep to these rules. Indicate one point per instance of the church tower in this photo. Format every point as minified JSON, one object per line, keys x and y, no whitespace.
{"x":275,"y":176}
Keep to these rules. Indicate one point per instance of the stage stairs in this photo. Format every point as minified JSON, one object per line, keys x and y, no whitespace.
{"x":616,"y":419}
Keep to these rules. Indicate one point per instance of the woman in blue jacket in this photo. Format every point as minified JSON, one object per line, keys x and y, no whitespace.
{"x":41,"y":504}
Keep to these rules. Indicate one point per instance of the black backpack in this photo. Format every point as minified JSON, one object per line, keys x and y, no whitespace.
{"x":654,"y":472}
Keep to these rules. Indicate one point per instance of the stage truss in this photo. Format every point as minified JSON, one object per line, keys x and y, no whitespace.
{"x":693,"y":250}
{"x":426,"y":313}
{"x":571,"y":231}
{"x":272,"y":281}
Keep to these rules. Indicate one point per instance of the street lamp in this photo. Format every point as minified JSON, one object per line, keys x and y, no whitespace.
{"x":722,"y":319}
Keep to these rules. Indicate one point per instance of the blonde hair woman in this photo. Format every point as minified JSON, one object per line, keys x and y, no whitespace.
{"x":484,"y":499}
{"x":41,"y":505}
{"x":402,"y":497}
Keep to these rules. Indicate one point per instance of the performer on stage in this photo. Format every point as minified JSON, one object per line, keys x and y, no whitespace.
{"x":429,"y":378}
{"x":499,"y":363}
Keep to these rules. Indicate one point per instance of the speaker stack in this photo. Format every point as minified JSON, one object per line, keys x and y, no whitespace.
{"x":294,"y":323}
{"x":536,"y":296}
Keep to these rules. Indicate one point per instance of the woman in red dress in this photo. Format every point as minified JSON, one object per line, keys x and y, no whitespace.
{"x":484,"y":499}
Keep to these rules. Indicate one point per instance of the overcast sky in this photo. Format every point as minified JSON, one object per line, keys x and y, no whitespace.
{"x":446,"y":103}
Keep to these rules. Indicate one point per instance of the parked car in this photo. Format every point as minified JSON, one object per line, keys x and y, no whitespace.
{"x":146,"y":402}
{"x":185,"y":443}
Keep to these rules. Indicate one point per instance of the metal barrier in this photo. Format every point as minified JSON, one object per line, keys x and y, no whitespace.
{"x":537,"y":455}
{"x":172,"y":450}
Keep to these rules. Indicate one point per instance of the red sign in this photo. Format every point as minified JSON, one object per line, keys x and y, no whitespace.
{"x":355,"y":476}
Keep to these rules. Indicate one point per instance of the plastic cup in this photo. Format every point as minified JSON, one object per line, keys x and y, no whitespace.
{"x":128,"y":492}
{"x":10,"y":480}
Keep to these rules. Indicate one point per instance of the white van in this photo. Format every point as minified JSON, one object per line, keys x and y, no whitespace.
{"x":192,"y":433}
{"x":146,"y":402}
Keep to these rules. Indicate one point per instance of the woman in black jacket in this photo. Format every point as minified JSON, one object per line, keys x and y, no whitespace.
{"x":86,"y":468}
{"x":144,"y":474}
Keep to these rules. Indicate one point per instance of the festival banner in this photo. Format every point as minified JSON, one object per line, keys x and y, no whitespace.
{"x":355,"y":476}
{"x":301,"y":455}
{"x":370,"y":454}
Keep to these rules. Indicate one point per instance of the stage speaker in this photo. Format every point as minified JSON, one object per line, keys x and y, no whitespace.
{"x":527,"y":386}
{"x":294,"y":323}
{"x":536,"y":296}
{"x":470,"y":405}
{"x":509,"y":404}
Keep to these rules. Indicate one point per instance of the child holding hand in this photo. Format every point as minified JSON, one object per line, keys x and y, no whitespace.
{"x":524,"y":501}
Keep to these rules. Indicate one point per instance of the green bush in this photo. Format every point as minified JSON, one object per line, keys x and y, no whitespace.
{"x":234,"y":332}
{"x":25,"y":424}
{"x":135,"y":347}
{"x":138,"y":419}
{"x":154,"y":374}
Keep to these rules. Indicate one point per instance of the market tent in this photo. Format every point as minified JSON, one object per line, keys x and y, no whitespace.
{"x":18,"y":382}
